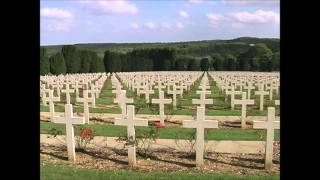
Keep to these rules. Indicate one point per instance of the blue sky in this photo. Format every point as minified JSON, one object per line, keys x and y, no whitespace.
{"x":106,"y":21}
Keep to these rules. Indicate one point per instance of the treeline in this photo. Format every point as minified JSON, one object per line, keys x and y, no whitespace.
{"x":72,"y":60}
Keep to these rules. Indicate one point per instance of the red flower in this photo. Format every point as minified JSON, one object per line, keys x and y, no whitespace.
{"x":158,"y":125}
{"x":85,"y":133}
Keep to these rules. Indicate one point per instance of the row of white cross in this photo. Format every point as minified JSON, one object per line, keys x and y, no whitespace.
{"x":199,"y":124}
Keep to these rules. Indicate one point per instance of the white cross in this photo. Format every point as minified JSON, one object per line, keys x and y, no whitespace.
{"x":271,"y":88}
{"x":51,"y":99}
{"x":161,"y":101}
{"x":122,"y":100}
{"x":76,"y":86}
{"x":232,"y":93}
{"x":249,"y":87}
{"x":85,"y":101}
{"x":270,"y":125}
{"x":69,"y":120}
{"x":200,"y":124}
{"x":174,"y":93}
{"x":67,"y":91}
{"x":44,"y":92}
{"x":202,"y":101}
{"x":130,"y":121}
{"x":262,"y":93}
{"x":147,"y":93}
{"x":244,"y":102}
{"x":159,"y":87}
{"x":118,"y":90}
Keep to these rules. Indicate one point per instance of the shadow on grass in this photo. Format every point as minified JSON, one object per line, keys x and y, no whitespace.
{"x":241,"y":162}
{"x":58,"y":156}
{"x":104,"y":156}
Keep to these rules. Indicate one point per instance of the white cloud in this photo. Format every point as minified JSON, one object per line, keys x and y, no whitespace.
{"x":195,"y":1}
{"x":259,"y":16}
{"x":215,"y":17}
{"x":55,"y":13}
{"x":165,"y":25}
{"x":248,"y":2}
{"x":55,"y":19}
{"x":150,"y":25}
{"x":183,"y":14}
{"x":180,"y":25}
{"x":239,"y":19}
{"x":134,"y":25}
{"x":109,"y":7}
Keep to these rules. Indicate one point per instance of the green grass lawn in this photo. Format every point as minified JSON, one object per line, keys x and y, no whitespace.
{"x":166,"y":133}
{"x":220,"y":107}
{"x":65,"y":172}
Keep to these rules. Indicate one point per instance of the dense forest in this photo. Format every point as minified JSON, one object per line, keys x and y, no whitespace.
{"x":241,"y":54}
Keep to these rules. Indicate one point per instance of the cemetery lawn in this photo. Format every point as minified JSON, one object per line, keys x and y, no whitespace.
{"x":220,"y":107}
{"x":64,"y":172}
{"x":164,"y":133}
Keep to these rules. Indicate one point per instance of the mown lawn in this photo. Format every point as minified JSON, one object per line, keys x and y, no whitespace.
{"x":165,"y":133}
{"x":64,"y":172}
{"x":220,"y":107}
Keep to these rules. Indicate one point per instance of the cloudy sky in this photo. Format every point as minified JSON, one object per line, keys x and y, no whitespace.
{"x":105,"y":21}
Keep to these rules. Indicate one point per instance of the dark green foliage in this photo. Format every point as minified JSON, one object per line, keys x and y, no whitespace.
{"x":275,"y":61}
{"x":86,"y":59}
{"x":193,"y":65}
{"x":72,"y":58}
{"x":44,"y":62}
{"x":57,"y":64}
{"x":230,"y":62}
{"x":228,"y":55}
{"x":204,"y":64}
{"x":217,"y":62}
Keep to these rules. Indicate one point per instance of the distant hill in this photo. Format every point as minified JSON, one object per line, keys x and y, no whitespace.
{"x":196,"y":48}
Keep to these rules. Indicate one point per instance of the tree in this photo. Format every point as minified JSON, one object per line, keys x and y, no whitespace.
{"x":85,"y":59}
{"x":96,"y":63}
{"x":230,"y":62}
{"x":193,"y":65}
{"x":275,"y":61}
{"x":217,"y":61}
{"x":167,"y":65}
{"x":72,"y":58}
{"x":204,"y":64}
{"x":44,"y":62}
{"x":57,"y":64}
{"x":112,"y":61}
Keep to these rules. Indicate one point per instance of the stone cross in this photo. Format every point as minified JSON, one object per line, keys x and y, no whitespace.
{"x":200,"y":123}
{"x":44,"y":92}
{"x":147,"y":93}
{"x":76,"y":86}
{"x":159,"y":87}
{"x":51,"y":99}
{"x":244,"y":102}
{"x":67,"y":91}
{"x":270,"y":125}
{"x":249,"y":87}
{"x":85,"y":101}
{"x":69,"y":120}
{"x":262,"y":93}
{"x":122,"y":100}
{"x":202,"y":101}
{"x":93,"y":96}
{"x":271,"y":88}
{"x":174,"y":93}
{"x":130,"y":121}
{"x":117,"y":91}
{"x":161,"y":101}
{"x":232,"y":93}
